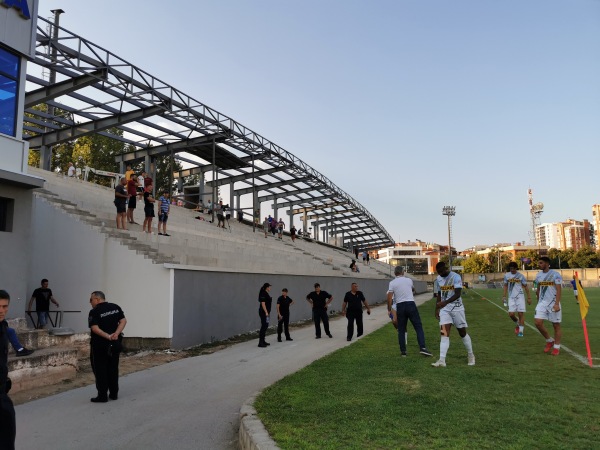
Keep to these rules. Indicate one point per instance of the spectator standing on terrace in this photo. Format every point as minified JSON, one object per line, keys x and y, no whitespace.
{"x":163,"y":214}
{"x":368,"y":259}
{"x":283,"y":314}
{"x":132,"y":192}
{"x":293,"y":233}
{"x":147,"y":180}
{"x":319,"y":300}
{"x":240,"y":215}
{"x":140,"y":186}
{"x":8,"y":427}
{"x":266,"y":226}
{"x":264,"y":311}
{"x":128,"y":173}
{"x":352,"y":309}
{"x":364,"y":257}
{"x":220,"y":215}
{"x":43,"y":297}
{"x":280,"y":227}
{"x":273,"y":227}
{"x":121,"y":204}
{"x":401,"y":304}
{"x":106,"y":322}
{"x":71,"y":170}
{"x":148,"y":209}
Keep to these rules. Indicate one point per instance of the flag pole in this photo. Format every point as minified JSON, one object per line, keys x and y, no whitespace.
{"x":587,"y":343}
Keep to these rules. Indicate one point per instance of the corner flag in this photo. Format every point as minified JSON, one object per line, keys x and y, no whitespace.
{"x":583,"y":309}
{"x":583,"y":301}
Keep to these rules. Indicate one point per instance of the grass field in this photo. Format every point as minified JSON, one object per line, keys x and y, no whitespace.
{"x":366,"y":397}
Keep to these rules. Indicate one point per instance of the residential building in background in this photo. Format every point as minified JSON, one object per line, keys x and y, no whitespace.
{"x":596,"y":216}
{"x":416,"y":257}
{"x":570,"y":234}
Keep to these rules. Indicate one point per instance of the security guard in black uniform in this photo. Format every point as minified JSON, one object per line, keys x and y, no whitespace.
{"x":106,"y":321}
{"x":8,"y":428}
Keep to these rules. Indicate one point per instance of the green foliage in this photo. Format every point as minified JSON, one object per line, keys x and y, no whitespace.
{"x":585,"y":258}
{"x":365,"y":396}
{"x":477,"y":264}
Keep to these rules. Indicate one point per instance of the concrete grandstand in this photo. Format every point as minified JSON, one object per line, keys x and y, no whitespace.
{"x":201,"y":283}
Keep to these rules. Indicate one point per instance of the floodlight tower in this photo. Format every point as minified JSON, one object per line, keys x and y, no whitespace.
{"x":449,"y":211}
{"x":535,"y":211}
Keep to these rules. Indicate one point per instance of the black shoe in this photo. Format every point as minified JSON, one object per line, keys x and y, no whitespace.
{"x":99,"y":400}
{"x":425,"y":352}
{"x":165,"y":234}
{"x":317,"y":337}
{"x":329,"y":334}
{"x":403,"y":354}
{"x":160,"y":234}
{"x":348,"y":339}
{"x":359,"y":335}
{"x":288,"y":339}
{"x":267,"y":343}
{"x":279,"y":339}
{"x":262,"y":344}
{"x":113,"y":396}
{"x":24,"y":352}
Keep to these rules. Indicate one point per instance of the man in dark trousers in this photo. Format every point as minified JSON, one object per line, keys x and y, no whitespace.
{"x":106,"y":321}
{"x":319,"y":301}
{"x":352,"y":309}
{"x":8,"y":427}
{"x":283,"y":314}
{"x":43,"y":297}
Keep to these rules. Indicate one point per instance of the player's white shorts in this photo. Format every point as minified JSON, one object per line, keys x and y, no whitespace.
{"x":456,"y":318}
{"x":575,"y":292}
{"x":546,"y":313}
{"x":516,"y":304}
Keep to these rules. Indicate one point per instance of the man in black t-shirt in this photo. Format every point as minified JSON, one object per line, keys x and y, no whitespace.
{"x":319,"y":301}
{"x":352,"y":309}
{"x":283,"y":314}
{"x":7,"y":411}
{"x":43,"y":297}
{"x":121,"y":197}
{"x":106,"y":322}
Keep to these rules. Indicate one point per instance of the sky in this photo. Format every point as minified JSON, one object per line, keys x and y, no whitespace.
{"x":406,"y":105}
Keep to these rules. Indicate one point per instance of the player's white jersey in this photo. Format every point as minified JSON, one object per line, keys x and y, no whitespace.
{"x":515,"y":284}
{"x":547,"y":283}
{"x":447,"y":286}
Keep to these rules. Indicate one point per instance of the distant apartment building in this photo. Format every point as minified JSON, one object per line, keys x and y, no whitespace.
{"x":516,"y":251}
{"x":596,"y":216}
{"x":570,"y":234}
{"x":417,"y":257}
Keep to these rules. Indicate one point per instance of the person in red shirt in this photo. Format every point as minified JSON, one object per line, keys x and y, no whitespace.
{"x":132,"y":191}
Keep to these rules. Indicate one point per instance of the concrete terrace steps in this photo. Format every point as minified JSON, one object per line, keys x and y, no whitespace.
{"x":44,"y":367}
{"x":195,"y":242}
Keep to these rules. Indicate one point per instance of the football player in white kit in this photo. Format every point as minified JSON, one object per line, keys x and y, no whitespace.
{"x":449,"y":310}
{"x":549,"y":290}
{"x":515,"y":285}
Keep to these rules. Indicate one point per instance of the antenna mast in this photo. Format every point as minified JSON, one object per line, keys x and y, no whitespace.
{"x":535,"y":210}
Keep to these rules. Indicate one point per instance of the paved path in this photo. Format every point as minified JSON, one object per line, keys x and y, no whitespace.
{"x":192,"y":403}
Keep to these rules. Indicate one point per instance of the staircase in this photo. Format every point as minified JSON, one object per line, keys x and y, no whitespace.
{"x":55,"y":358}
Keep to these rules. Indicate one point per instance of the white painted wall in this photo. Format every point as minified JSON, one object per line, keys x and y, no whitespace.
{"x":76,"y":259}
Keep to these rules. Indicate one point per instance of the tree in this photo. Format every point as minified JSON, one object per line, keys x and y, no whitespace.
{"x":477,"y":264}
{"x":584,"y":258}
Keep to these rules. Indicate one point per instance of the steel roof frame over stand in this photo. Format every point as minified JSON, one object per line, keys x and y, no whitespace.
{"x":100,"y":91}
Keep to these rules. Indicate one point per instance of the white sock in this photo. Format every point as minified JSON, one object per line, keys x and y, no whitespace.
{"x":550,"y":340}
{"x":468,"y":345}
{"x":521,"y":328}
{"x":556,"y":345}
{"x":444,"y":346}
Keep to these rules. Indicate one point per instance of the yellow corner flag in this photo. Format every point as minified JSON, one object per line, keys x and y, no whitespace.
{"x":583,"y":301}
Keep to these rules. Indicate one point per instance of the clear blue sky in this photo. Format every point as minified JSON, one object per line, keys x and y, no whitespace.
{"x":407,"y":105}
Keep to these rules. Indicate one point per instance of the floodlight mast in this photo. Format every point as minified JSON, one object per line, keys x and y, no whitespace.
{"x":449,"y":211}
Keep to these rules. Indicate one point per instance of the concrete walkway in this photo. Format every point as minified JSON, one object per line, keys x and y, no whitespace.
{"x":192,"y":403}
